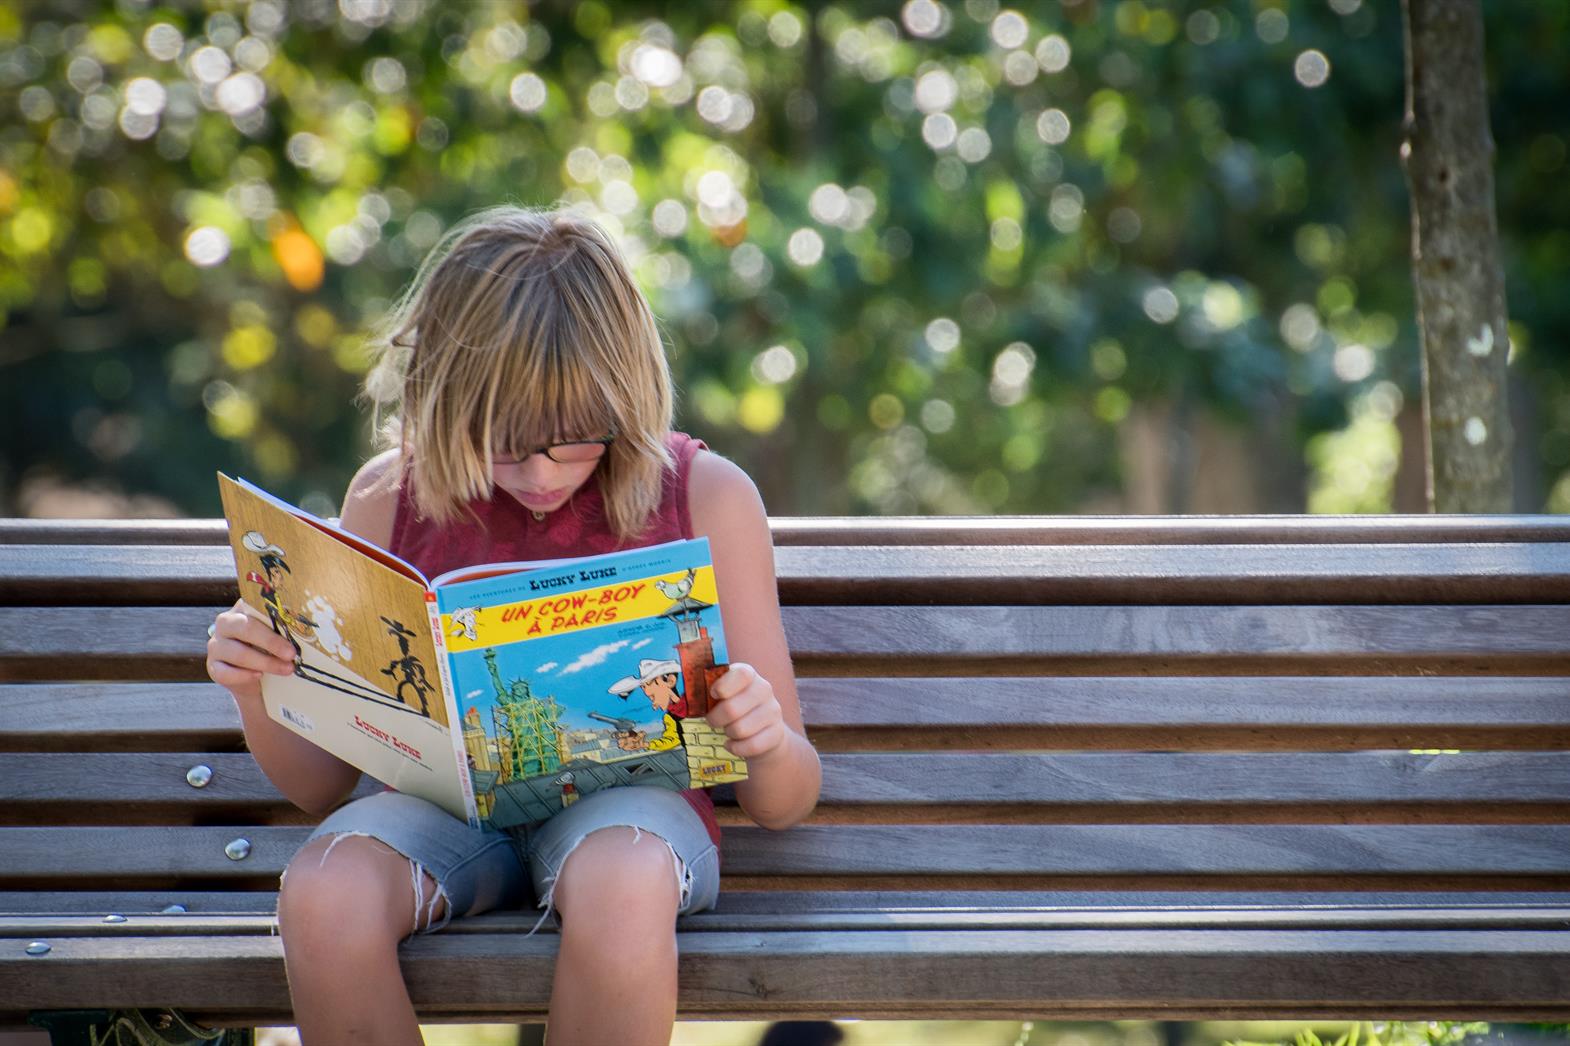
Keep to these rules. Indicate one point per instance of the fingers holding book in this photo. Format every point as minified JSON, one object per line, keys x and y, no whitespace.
{"x":747,"y":710}
{"x":240,"y":649}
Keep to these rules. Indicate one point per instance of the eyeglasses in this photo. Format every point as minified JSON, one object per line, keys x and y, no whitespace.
{"x":575,"y":452}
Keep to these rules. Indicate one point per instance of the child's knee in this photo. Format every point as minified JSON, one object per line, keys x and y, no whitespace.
{"x":348,"y":887}
{"x":617,"y":875}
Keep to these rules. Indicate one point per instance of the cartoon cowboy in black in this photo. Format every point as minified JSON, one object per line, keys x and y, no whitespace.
{"x":406,"y":668}
{"x":286,"y":622}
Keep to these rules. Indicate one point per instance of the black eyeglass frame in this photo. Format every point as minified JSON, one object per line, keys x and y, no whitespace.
{"x":519,"y":459}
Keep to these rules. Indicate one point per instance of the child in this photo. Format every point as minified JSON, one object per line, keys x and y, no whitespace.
{"x":532,"y":412}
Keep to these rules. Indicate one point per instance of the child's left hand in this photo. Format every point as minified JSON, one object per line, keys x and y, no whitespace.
{"x":744,"y":706}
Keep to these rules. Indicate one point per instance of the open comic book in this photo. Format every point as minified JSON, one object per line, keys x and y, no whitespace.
{"x":499,"y":692}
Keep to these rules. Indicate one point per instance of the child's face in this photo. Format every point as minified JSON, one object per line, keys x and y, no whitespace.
{"x":539,"y":483}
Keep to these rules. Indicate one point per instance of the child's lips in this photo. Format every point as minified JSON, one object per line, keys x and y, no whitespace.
{"x":542,"y":499}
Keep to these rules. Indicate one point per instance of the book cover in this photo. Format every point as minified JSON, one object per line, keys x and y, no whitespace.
{"x":500,"y":692}
{"x":366,"y":685}
{"x":588,"y":675}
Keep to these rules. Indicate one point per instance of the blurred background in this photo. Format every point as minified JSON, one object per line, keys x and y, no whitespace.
{"x":1082,"y":256}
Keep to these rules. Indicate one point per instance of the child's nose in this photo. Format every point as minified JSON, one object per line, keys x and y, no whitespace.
{"x":536,"y":468}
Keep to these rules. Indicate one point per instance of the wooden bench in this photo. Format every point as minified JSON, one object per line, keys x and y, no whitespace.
{"x":1078,"y":768}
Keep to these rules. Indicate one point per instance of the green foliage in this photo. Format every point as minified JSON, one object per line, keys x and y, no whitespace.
{"x":1389,"y":1033}
{"x":909,"y":258}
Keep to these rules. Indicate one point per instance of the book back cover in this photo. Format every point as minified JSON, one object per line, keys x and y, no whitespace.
{"x":365,"y":685}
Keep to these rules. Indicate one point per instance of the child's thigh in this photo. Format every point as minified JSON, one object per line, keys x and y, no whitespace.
{"x":661,"y":836}
{"x":434,"y":866}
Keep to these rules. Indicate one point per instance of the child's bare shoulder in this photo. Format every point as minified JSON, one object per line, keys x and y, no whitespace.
{"x":372,"y":500}
{"x":721,"y":495}
{"x":717,"y":478}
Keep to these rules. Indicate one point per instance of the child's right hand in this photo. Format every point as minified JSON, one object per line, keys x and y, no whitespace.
{"x":241,"y":648}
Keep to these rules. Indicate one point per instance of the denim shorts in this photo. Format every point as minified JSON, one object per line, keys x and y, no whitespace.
{"x":481,"y":870}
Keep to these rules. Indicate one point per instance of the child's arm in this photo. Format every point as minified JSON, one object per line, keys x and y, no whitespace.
{"x":243,"y":647}
{"x":757,"y":708}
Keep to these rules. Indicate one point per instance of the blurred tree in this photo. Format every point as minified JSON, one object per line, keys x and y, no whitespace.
{"x":1087,"y":255}
{"x":1462,"y":320}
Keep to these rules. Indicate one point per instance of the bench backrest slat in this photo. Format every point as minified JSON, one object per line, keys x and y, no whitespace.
{"x":925,"y":530}
{"x":108,"y":575}
{"x":85,"y":643}
{"x":979,"y":787}
{"x":1313,"y":713}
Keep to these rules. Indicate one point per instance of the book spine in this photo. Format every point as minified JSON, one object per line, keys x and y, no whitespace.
{"x":454,"y":713}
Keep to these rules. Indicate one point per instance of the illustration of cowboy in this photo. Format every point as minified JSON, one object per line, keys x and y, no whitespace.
{"x":658,"y":681}
{"x":406,"y":669}
{"x":286,"y":622}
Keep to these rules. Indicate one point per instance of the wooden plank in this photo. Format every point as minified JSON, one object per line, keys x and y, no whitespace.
{"x":1153,"y":575}
{"x":54,"y":643}
{"x":843,"y":714}
{"x":120,"y":925}
{"x":118,"y":717}
{"x":93,"y":643}
{"x":1111,"y":781}
{"x":1180,"y":640}
{"x":113,"y":532}
{"x":1263,"y":703}
{"x":1154,"y":850}
{"x":117,"y":575}
{"x":1453,"y":972}
{"x":1162,"y":530}
{"x":163,"y":852}
{"x":951,"y":530}
{"x":99,"y":903}
{"x":1132,"y":851}
{"x":1493,"y":573}
{"x":101,"y":783}
{"x":792,"y":904}
{"x":1114,"y":781}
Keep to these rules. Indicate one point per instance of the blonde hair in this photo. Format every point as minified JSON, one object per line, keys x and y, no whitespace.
{"x":521,"y":328}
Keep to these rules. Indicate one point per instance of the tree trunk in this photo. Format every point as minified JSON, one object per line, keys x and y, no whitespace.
{"x":1448,"y":155}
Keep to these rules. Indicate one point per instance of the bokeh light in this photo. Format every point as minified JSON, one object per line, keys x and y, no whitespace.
{"x":1311,"y":69}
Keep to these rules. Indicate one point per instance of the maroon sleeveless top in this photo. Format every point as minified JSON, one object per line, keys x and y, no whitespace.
{"x":501,"y":530}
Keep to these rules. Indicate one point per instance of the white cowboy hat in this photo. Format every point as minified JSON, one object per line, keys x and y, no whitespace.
{"x":648,"y":669}
{"x":254,"y":541}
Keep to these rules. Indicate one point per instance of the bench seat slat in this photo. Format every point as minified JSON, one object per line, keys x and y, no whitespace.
{"x":945,"y":574}
{"x":1460,"y":972}
{"x":773,"y":901}
{"x":904,"y":850}
{"x":521,"y":922}
{"x":49,"y":643}
{"x":1111,"y":780}
{"x":95,"y":904}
